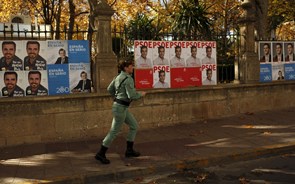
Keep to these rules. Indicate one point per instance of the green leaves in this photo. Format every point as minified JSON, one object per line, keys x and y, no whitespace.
{"x":192,"y":18}
{"x":142,"y":28}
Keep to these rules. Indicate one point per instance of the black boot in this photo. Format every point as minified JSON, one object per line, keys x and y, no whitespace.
{"x":130,"y":151}
{"x":101,"y":155}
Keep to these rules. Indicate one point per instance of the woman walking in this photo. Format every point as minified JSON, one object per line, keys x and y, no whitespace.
{"x":123,"y":91}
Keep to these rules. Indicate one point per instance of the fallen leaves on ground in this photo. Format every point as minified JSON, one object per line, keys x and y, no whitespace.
{"x":266,"y":133}
{"x":244,"y":180}
{"x":201,"y":177}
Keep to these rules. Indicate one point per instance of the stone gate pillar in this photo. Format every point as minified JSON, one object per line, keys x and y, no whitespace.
{"x":104,"y":67}
{"x":249,"y":66}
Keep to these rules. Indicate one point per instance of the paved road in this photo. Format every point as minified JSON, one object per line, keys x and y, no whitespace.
{"x":276,"y":169}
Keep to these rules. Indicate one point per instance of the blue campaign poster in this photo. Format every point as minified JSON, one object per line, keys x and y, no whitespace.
{"x":78,"y":74}
{"x":265,"y":73}
{"x":78,"y":51}
{"x":58,"y":79}
{"x":57,"y":52}
{"x":290,"y":71}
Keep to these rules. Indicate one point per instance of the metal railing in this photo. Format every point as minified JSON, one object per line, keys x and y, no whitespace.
{"x":227,"y":48}
{"x":15,"y":31}
{"x":227,"y":45}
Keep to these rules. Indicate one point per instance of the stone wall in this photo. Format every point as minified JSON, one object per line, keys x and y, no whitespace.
{"x":63,"y":118}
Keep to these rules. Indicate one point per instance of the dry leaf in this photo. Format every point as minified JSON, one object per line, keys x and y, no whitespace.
{"x":200,"y":178}
{"x":244,"y":181}
{"x":266,"y":133}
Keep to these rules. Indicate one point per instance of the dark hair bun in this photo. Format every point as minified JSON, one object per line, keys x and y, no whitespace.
{"x":124,"y":63}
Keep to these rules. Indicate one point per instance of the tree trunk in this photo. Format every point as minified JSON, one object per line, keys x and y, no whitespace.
{"x":72,"y":19}
{"x":262,"y":26}
{"x":58,"y":15}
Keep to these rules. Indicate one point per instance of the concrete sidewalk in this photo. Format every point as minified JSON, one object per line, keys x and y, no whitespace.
{"x":163,"y":149}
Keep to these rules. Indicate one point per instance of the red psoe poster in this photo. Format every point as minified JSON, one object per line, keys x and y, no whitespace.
{"x":144,"y":78}
{"x":185,"y":58}
{"x":178,"y":77}
{"x":193,"y":76}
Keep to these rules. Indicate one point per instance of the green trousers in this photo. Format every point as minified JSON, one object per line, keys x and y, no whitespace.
{"x":121,"y":115}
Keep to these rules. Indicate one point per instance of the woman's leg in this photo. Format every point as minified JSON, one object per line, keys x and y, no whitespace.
{"x":119,"y":116}
{"x":133,"y":126}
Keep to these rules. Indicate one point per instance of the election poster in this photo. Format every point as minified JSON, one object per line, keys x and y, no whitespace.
{"x":58,"y":79}
{"x":289,"y":52}
{"x":41,"y":68}
{"x":57,"y":52}
{"x":37,"y":84}
{"x":209,"y":74}
{"x":277,"y":60}
{"x":178,"y":77}
{"x":185,"y":63}
{"x":79,"y":51}
{"x":265,"y":73}
{"x":277,"y":52}
{"x":290,"y":71}
{"x":193,"y":76}
{"x":79,"y":78}
{"x":264,"y":54}
{"x":144,"y":78}
{"x":278,"y":72}
{"x":35,"y":57}
{"x":58,"y":69}
{"x":12,"y":81}
{"x":161,"y":76}
{"x":79,"y":67}
{"x":12,"y":50}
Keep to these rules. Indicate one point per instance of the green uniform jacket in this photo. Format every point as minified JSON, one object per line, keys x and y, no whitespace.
{"x":127,"y":92}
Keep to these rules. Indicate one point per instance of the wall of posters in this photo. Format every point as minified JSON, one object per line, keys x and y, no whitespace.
{"x":52,"y":67}
{"x":277,"y":61}
{"x":174,"y":64}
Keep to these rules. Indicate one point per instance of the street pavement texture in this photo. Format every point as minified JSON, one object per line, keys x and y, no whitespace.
{"x":163,"y":149}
